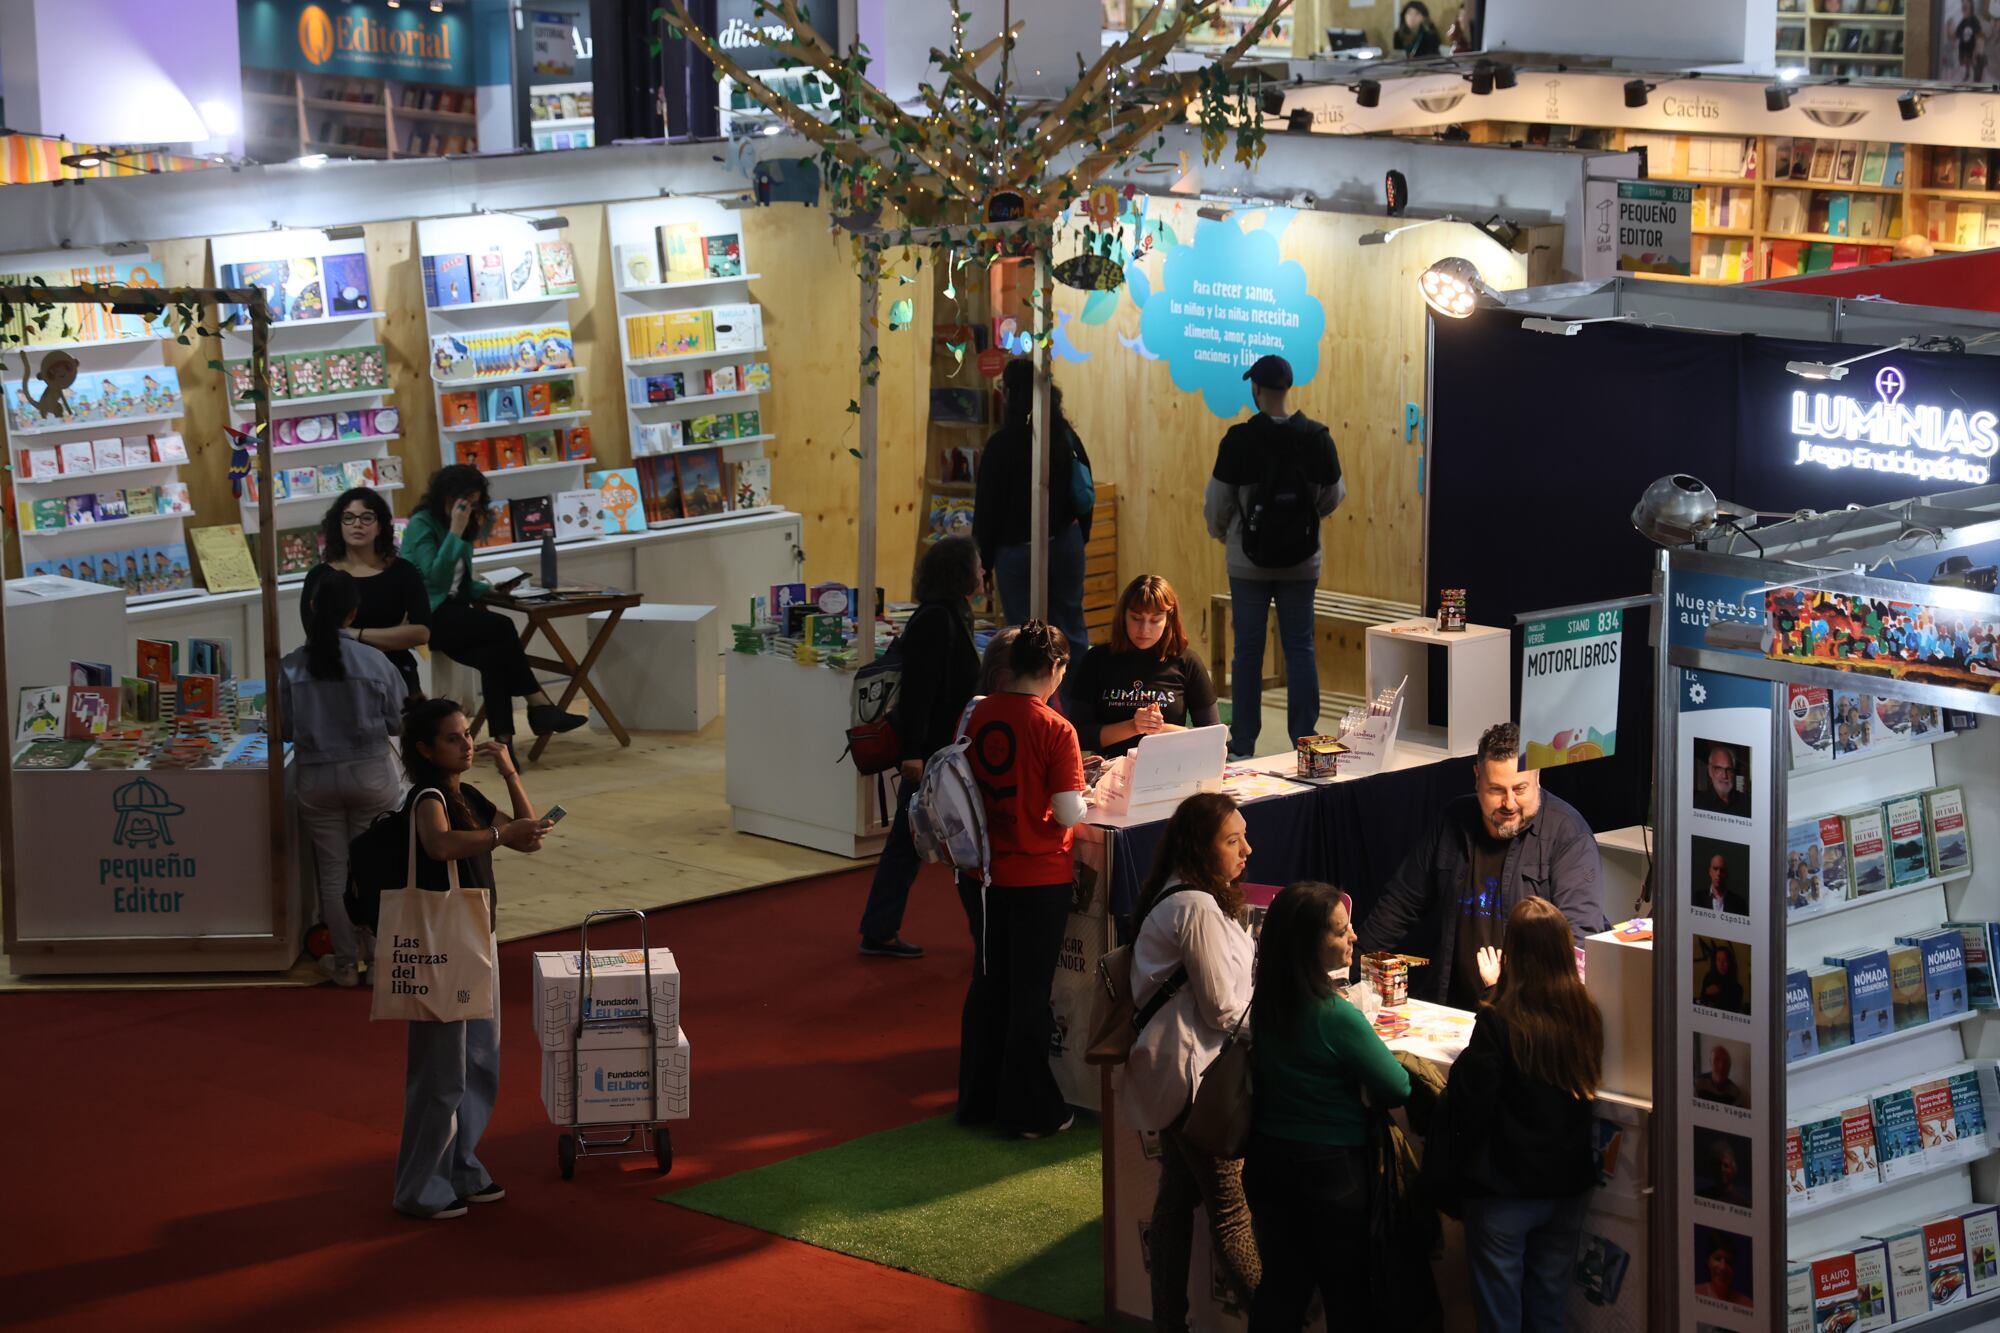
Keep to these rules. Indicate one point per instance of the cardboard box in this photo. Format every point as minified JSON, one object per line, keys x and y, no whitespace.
{"x":618,"y":987}
{"x":613,"y":1084}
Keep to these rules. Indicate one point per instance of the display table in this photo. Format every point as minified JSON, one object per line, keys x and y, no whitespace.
{"x":1476,"y":680}
{"x":787,"y":776}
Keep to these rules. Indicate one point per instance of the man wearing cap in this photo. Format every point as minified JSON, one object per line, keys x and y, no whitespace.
{"x":1276,"y":477}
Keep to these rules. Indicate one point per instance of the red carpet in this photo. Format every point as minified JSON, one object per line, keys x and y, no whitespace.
{"x":222,"y":1159}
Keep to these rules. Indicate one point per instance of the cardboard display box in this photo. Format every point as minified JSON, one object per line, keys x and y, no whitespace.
{"x":613,"y":1084}
{"x":618,"y":985}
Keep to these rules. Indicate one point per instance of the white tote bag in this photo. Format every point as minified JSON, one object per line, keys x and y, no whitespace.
{"x":434,"y":951}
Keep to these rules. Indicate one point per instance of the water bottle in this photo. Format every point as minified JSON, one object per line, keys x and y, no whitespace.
{"x":549,"y":561}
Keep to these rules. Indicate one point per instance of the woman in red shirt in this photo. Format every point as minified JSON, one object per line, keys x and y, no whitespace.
{"x":1030,"y":775}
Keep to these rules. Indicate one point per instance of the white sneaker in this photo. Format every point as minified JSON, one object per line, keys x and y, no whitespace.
{"x":342,"y":974}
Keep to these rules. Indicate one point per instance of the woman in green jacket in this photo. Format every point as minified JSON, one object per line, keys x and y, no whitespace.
{"x":1315,"y":1057}
{"x":438,"y":542}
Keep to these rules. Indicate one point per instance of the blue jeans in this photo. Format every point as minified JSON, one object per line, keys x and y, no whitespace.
{"x":1520,"y":1251}
{"x":1250,"y":601}
{"x":889,"y":894}
{"x":450,"y":1083}
{"x":1010,"y":571}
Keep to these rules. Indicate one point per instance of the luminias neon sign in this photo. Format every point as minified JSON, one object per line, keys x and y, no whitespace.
{"x":1924,"y":440}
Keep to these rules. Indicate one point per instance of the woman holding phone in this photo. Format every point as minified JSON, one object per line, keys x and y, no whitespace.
{"x":447,"y":521}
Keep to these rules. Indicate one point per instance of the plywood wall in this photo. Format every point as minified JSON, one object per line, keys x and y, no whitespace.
{"x":810,"y":296}
{"x":1158,"y":444}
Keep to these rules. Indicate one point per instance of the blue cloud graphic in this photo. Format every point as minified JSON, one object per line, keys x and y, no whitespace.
{"x":1223,"y":301}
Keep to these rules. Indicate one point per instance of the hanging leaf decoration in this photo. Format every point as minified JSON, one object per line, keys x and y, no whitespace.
{"x":902,"y":314}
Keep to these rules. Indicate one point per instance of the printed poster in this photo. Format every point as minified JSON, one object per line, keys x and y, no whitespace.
{"x":1569,"y":687}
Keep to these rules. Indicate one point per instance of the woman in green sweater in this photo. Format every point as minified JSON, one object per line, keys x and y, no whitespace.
{"x":1315,"y":1055}
{"x":438,"y":542}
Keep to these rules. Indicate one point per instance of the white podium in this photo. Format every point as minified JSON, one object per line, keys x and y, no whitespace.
{"x":52,"y":622}
{"x":1477,"y":682}
{"x":660,"y":672}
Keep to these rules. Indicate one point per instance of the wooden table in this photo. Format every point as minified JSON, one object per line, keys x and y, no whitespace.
{"x":540,"y":611}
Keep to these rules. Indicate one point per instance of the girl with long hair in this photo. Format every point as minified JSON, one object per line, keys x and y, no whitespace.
{"x":1416,"y":35}
{"x":357,"y":536}
{"x":1193,"y":949}
{"x":940,"y":669}
{"x":1145,"y":680}
{"x":340,"y":701}
{"x":452,"y":1073}
{"x":1002,"y":507}
{"x":1030,"y":776}
{"x":438,"y":541}
{"x":1518,"y":1110}
{"x":1308,"y":1172}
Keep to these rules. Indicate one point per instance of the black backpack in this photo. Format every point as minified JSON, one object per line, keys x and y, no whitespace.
{"x":378,"y":860}
{"x":1281,"y":520}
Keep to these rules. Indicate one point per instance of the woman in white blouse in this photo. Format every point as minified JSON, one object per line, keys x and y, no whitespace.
{"x":1192,"y":947}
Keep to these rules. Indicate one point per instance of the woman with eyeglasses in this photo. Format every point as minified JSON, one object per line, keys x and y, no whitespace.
{"x":358,"y":538}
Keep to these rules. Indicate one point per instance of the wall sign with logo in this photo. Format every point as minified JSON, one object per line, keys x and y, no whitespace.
{"x":1655,"y":227}
{"x":331,"y":37}
{"x":1569,"y":687}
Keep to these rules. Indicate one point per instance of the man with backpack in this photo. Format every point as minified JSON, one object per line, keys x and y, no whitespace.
{"x":1277,"y":476}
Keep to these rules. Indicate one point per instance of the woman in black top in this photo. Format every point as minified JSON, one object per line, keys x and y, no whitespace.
{"x":452,"y":1074}
{"x":1145,"y":680}
{"x":1516,"y":1135}
{"x":1001,"y":506}
{"x":940,"y":668}
{"x":357,"y":537}
{"x":1416,"y":35}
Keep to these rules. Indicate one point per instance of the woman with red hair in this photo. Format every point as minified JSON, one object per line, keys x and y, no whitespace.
{"x":1145,"y":680}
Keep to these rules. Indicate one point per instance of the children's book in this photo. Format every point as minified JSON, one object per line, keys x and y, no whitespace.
{"x":576,"y":515}
{"x":558,"y":263}
{"x":90,"y":710}
{"x":701,"y":483}
{"x":533,"y":517}
{"x":681,"y":252}
{"x":750,"y":483}
{"x":347,"y":284}
{"x":454,"y":279}
{"x":198,"y":696}
{"x":225,"y":558}
{"x":619,"y":501}
{"x":41,"y":712}
{"x":724,"y":255}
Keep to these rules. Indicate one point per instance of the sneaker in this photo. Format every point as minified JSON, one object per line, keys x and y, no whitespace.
{"x":341,"y":974}
{"x":1068,"y":1121}
{"x":547,"y":719}
{"x":893,"y":947}
{"x":493,"y":1193}
{"x":456,"y":1208}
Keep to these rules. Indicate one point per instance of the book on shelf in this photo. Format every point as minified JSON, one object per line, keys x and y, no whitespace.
{"x":1846,"y":164}
{"x":489,"y":277}
{"x":558,"y":267}
{"x":1968,"y":224}
{"x":619,"y":500}
{"x":681,"y":252}
{"x":1824,"y":154}
{"x":1874,"y":163}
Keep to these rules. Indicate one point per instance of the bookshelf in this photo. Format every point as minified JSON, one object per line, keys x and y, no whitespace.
{"x":1857,"y":38}
{"x":335,"y":434}
{"x":287,"y":114}
{"x":513,"y":407}
{"x":561,"y":115}
{"x":694,"y":417}
{"x":98,"y":495}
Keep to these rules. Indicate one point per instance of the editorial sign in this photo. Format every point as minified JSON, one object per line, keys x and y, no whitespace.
{"x":1569,"y":687}
{"x":1655,"y":227}
{"x":331,"y":37}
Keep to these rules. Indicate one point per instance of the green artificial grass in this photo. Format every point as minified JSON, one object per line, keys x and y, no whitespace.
{"x":1016,"y":1219}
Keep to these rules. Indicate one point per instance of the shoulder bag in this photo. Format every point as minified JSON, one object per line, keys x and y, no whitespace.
{"x":1219,"y":1122}
{"x":1115,"y":1019}
{"x":434,"y":955}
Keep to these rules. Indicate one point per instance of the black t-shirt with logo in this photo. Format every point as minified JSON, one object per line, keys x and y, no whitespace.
{"x":1482,"y":921}
{"x":1108,"y":688}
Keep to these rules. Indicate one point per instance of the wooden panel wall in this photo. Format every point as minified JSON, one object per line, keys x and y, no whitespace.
{"x":1158,"y":443}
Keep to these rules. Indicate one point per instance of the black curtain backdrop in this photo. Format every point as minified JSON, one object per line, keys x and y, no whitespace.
{"x":1541,"y":444}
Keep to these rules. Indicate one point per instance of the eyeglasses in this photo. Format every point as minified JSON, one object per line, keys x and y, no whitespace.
{"x":357,"y":520}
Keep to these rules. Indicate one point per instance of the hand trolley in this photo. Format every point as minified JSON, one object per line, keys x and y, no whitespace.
{"x":625,"y":1139}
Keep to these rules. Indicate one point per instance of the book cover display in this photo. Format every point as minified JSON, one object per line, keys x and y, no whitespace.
{"x":1870,"y":1007}
{"x":109,"y":395}
{"x":498,"y":353}
{"x":1867,"y":852}
{"x":619,"y":500}
{"x":1909,"y":853}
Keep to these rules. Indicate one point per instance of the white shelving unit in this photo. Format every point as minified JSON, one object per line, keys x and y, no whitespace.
{"x":113,"y":343}
{"x":524,"y":306}
{"x":343,"y":330}
{"x":554,"y":132}
{"x":636,"y":225}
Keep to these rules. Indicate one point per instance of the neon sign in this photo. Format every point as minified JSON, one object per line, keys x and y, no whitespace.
{"x":1923,"y":440}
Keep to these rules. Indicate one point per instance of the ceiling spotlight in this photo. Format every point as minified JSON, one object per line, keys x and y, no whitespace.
{"x":1912,"y":104}
{"x":1453,"y":287}
{"x":1676,"y":510}
{"x":1777,"y":97}
{"x":555,"y":222}
{"x":1636,"y":92}
{"x":352,"y":232}
{"x":1567,"y":328}
{"x":1384,"y":237}
{"x":1272,"y":101}
{"x":82,"y":161}
{"x":395,"y":4}
{"x":1368,"y":93}
{"x":1482,"y":78}
{"x":310,"y":161}
{"x":437,"y":6}
{"x":1837,"y":370}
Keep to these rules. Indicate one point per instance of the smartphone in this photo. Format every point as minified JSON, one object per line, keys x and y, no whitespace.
{"x":554,"y":814}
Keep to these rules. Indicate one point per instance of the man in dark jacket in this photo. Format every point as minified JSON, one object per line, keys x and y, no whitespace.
{"x":1277,"y":476}
{"x":940,"y":671}
{"x":1507,"y":841}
